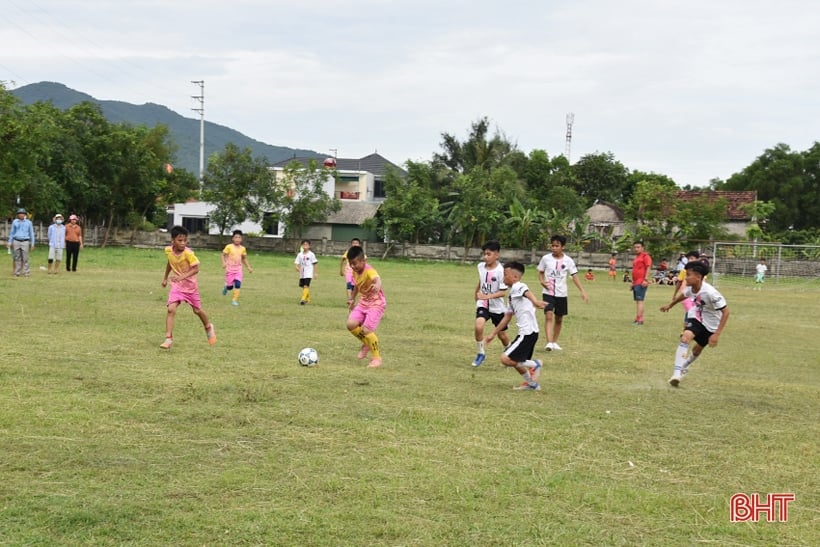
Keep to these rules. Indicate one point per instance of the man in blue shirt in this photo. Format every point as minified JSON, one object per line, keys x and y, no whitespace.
{"x":21,"y":241}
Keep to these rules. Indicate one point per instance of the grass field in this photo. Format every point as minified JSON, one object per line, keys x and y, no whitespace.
{"x":108,"y":440}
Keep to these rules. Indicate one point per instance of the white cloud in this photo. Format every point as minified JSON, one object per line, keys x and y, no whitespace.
{"x":693,"y":90}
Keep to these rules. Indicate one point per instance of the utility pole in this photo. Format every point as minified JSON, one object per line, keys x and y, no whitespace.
{"x":568,"y":149}
{"x":201,"y":110}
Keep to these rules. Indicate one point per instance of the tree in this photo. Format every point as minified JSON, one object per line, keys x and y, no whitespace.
{"x":790,"y":180}
{"x":600,"y":177}
{"x":305,"y":200}
{"x":410,"y":211}
{"x":669,"y":222}
{"x":240,"y":186}
{"x":479,"y":150}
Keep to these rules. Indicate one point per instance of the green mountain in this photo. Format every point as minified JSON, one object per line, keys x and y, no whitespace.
{"x":184,"y":131}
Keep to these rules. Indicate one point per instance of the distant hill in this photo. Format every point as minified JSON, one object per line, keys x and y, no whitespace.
{"x":184,"y":131}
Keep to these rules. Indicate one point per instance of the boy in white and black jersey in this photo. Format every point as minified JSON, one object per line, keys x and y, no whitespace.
{"x":489,"y":298}
{"x":521,"y":303}
{"x":704,"y":321}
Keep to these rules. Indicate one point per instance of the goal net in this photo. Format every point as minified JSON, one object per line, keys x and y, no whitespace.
{"x":787,"y":266}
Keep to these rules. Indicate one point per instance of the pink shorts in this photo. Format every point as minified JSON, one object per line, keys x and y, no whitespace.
{"x":192,"y":298}
{"x":369,"y":318}
{"x":230,"y":277}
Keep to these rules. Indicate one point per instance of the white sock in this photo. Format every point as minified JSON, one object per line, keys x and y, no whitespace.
{"x":480,"y":346}
{"x":530,"y":364}
{"x":681,"y":355}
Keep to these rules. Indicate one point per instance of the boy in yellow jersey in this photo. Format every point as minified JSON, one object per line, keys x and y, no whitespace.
{"x":234,"y":255}
{"x":365,"y":315}
{"x":184,"y":288}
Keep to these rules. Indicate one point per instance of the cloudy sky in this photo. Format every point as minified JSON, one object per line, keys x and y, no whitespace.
{"x":694,"y":90}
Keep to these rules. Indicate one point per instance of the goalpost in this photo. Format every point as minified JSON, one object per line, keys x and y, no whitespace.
{"x":787,"y":265}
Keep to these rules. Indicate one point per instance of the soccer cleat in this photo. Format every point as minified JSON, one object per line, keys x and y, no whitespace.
{"x":674,"y":381}
{"x":210,"y":332}
{"x":556,"y":347}
{"x":363,"y":352}
{"x":535,"y":372}
{"x":224,"y":291}
{"x":479,"y":358}
{"x":636,"y":322}
{"x":302,"y":302}
{"x":548,"y":347}
{"x":234,"y":303}
{"x":528,"y":386}
{"x":375,"y":362}
{"x":167,"y":343}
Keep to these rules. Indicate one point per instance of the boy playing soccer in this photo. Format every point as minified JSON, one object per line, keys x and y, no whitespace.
{"x":306,"y":266}
{"x":704,"y":322}
{"x":346,"y":271}
{"x":365,"y":316}
{"x":522,"y":304}
{"x":185,"y":266}
{"x":553,"y":271}
{"x":234,"y":255}
{"x":489,"y":297}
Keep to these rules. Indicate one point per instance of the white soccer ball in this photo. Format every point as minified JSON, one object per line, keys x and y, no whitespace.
{"x":308,"y":357}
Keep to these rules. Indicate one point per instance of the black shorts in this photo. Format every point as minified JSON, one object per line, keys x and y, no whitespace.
{"x":701,"y":334}
{"x":304,"y":281}
{"x":559,"y":305}
{"x":522,"y":347}
{"x":496,"y":318}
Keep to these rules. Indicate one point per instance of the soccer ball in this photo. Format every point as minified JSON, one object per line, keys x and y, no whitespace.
{"x":308,"y":357}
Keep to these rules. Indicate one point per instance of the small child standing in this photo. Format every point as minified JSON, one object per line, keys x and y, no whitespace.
{"x":184,"y":288}
{"x":489,"y":297}
{"x":306,"y":266}
{"x":704,"y":321}
{"x":56,"y":244}
{"x":346,"y":271}
{"x":761,"y":274}
{"x":234,"y":255}
{"x":522,"y":304}
{"x":365,"y":316}
{"x":613,"y":266}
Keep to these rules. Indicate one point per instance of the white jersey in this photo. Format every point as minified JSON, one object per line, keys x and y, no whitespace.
{"x":761,"y":269}
{"x":556,"y":271}
{"x":491,"y":281}
{"x":522,"y":308}
{"x":708,"y":308}
{"x":305,"y":262}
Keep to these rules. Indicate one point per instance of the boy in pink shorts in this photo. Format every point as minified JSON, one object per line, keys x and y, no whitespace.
{"x":184,"y":288}
{"x":365,"y":316}
{"x":234,"y":256}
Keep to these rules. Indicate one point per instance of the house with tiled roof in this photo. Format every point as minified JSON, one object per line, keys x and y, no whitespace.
{"x":359,"y":186}
{"x":738,"y":218}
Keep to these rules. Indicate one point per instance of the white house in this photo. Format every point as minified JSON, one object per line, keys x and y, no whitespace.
{"x":359,"y":185}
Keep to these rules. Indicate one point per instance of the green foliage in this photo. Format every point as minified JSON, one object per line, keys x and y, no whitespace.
{"x":410,"y":211}
{"x":670,"y":222}
{"x":240,"y":186}
{"x":788,"y":179}
{"x":305,"y":200}
{"x":76,"y":161}
{"x":600,"y":177}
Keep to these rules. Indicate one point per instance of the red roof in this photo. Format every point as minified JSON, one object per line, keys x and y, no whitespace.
{"x":734,"y":200}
